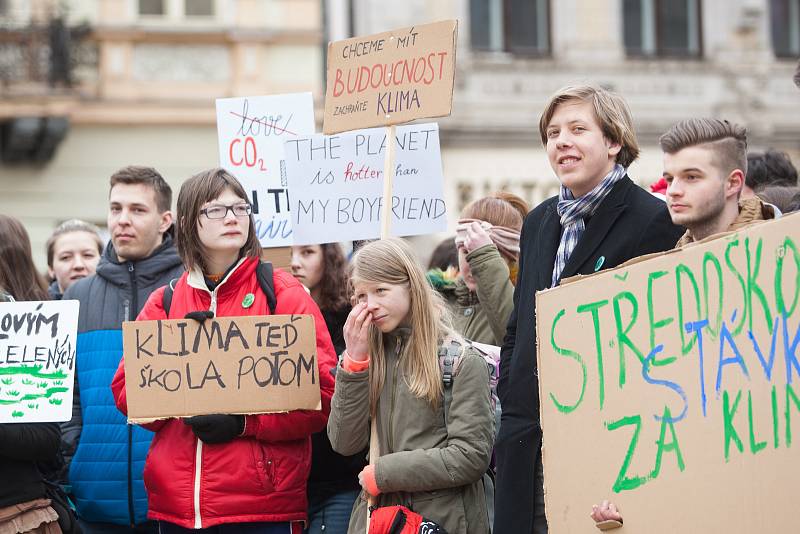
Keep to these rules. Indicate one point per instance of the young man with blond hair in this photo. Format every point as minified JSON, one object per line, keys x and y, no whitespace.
{"x":705,"y":164}
{"x":599,"y":220}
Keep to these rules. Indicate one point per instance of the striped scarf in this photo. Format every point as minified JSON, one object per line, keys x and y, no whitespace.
{"x":572,"y":212}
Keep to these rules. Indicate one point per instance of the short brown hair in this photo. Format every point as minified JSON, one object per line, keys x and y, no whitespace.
{"x":728,"y":141}
{"x":610,"y":110}
{"x":201,"y":188}
{"x":134,"y":174}
{"x":67,"y":227}
{"x":499,"y":209}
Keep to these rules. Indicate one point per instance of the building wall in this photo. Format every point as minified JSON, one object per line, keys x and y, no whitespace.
{"x":149,"y":98}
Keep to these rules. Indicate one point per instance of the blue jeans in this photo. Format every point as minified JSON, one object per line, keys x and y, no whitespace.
{"x":148,"y":527}
{"x":165,"y":527}
{"x":332,"y":514}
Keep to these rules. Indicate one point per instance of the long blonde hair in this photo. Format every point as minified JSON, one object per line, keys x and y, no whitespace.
{"x":391,"y":261}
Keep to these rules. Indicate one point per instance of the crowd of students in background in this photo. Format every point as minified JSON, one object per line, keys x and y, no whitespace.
{"x":401,"y":351}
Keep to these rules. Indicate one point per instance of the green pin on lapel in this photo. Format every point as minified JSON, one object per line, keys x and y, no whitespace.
{"x":248,"y":300}
{"x":599,"y":263}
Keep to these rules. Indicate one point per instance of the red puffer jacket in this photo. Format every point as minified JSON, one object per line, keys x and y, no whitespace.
{"x":260,"y":476}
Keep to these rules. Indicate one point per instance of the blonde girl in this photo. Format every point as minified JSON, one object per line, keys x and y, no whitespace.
{"x":433,"y":448}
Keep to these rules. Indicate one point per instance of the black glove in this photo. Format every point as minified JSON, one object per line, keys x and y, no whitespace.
{"x":216,"y":428}
{"x":200,"y":315}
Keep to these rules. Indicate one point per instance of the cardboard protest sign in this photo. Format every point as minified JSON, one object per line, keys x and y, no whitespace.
{"x":251,"y":133}
{"x":37,"y":360}
{"x":236,"y":365}
{"x":390,"y":78}
{"x":337,"y":183}
{"x":671,"y":386}
{"x":279,"y":257}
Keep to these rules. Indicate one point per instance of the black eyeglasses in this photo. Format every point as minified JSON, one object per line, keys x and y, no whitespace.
{"x":219,"y":212}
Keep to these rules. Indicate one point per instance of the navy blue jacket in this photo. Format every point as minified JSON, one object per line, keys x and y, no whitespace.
{"x":106,"y":455}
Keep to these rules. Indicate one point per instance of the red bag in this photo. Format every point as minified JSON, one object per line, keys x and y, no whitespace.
{"x":401,"y":520}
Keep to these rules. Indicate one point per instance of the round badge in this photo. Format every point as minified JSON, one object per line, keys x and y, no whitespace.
{"x":599,"y":263}
{"x":248,"y":300}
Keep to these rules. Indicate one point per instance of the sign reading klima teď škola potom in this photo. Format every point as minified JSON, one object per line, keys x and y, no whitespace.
{"x":390,"y":78}
{"x":237,"y":365}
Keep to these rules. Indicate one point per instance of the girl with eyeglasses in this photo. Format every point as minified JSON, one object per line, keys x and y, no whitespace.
{"x":234,"y":473}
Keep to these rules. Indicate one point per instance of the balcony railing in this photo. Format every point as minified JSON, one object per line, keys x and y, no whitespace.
{"x":45,"y":58}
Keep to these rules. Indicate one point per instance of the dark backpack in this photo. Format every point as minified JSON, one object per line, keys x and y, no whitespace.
{"x":264,"y":274}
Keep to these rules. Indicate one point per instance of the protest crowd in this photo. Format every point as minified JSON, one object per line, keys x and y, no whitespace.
{"x":434,"y":367}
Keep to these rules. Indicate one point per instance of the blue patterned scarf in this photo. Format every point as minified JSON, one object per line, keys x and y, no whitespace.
{"x":572,"y":212}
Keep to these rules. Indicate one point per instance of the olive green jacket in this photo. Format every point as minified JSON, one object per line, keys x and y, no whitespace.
{"x":482,"y":316}
{"x":432,"y":467}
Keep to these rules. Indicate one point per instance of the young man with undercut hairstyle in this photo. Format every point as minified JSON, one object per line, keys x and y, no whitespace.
{"x":106,"y":454}
{"x":705,"y":164}
{"x":599,"y":220}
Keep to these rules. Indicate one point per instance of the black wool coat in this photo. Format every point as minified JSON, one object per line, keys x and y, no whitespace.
{"x":22,"y":445}
{"x":630,"y":222}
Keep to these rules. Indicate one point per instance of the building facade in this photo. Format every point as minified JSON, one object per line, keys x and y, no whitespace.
{"x":149,"y":70}
{"x":144,"y":77}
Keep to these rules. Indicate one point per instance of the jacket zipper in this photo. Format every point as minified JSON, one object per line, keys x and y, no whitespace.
{"x":198,"y":460}
{"x":394,"y":389}
{"x":131,"y":313}
{"x":198,"y":453}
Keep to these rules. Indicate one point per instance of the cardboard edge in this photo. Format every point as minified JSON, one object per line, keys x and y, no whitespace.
{"x":646,"y":257}
{"x":455,"y":65}
{"x":538,"y":327}
{"x":328,"y":89}
{"x":146,"y":420}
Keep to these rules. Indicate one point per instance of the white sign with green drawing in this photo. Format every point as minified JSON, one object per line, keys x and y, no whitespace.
{"x":37,"y":360}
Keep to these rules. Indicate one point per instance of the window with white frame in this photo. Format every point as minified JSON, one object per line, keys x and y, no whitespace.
{"x":176,"y":9}
{"x":152,"y":7}
{"x":785,"y":23}
{"x":199,"y":8}
{"x":516,"y":26}
{"x":662,"y":28}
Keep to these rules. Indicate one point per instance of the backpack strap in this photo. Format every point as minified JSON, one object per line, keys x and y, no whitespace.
{"x":166,"y":298}
{"x":449,"y":360}
{"x":265,"y":274}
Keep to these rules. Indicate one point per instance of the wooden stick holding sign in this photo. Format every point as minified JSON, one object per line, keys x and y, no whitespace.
{"x":386,"y":227}
{"x":388,"y":182}
{"x":388,"y":79}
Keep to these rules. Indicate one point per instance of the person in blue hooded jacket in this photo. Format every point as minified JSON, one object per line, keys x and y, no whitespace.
{"x":106,"y":455}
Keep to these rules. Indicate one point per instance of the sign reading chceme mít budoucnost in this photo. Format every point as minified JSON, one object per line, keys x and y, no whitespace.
{"x":390,"y":78}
